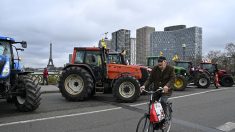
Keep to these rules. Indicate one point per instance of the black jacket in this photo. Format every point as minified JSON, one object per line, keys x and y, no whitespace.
{"x":161,"y":78}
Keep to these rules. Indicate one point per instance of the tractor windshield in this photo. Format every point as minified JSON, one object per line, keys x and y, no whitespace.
{"x":152,"y":61}
{"x":5,"y":49}
{"x":208,"y":67}
{"x":184,"y":65}
{"x":114,"y":58}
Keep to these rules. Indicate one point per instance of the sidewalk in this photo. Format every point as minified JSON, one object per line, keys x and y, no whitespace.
{"x":49,"y":89}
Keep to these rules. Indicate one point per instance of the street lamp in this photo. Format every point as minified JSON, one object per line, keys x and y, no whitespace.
{"x":184,"y":47}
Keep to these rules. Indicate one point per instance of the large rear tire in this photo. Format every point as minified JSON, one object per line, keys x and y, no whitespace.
{"x":180,"y":83}
{"x":28,"y":98}
{"x":203,"y":81}
{"x":227,"y":81}
{"x":126,"y":89}
{"x":76,"y":84}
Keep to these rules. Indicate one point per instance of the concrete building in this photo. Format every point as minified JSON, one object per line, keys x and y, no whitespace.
{"x":121,"y":41}
{"x":133,"y":51}
{"x":143,"y":44}
{"x":185,"y":42}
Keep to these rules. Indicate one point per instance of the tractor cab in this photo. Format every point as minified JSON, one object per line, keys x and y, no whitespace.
{"x":152,"y":61}
{"x":116,"y":58}
{"x":8,"y":62}
{"x":210,"y":67}
{"x":185,"y":64}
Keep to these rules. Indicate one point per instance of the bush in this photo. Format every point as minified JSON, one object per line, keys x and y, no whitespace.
{"x":52,"y":80}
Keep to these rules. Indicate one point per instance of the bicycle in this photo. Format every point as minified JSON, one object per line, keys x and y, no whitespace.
{"x":145,"y":125}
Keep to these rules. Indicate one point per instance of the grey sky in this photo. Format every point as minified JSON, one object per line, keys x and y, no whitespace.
{"x":69,"y":23}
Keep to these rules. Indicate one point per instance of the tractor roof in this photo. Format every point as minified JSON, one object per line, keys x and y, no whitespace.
{"x":153,"y":56}
{"x":7,"y":38}
{"x":183,"y":61}
{"x":87,"y":48}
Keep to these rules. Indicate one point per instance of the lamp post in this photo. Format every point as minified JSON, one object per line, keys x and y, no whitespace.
{"x":184,"y":47}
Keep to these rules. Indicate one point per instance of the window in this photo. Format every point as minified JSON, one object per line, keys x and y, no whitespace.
{"x":93,"y":58}
{"x":79,"y":57}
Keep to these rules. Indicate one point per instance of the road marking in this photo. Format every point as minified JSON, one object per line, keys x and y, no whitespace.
{"x":227,"y":127}
{"x":209,"y":91}
{"x":57,"y":117}
{"x":98,"y":111}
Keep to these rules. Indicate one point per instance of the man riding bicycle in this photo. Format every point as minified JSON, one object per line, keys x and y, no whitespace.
{"x":162,"y":75}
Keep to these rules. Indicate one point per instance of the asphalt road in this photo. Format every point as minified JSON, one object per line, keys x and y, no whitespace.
{"x":195,"y":110}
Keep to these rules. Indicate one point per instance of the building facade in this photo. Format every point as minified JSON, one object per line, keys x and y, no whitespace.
{"x":178,"y":40}
{"x":143,"y":44}
{"x":121,"y":41}
{"x":133,"y":51}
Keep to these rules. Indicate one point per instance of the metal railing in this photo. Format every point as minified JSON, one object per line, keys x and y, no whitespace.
{"x":53,"y":77}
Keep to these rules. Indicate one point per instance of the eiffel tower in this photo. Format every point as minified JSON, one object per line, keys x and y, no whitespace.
{"x":50,"y":65}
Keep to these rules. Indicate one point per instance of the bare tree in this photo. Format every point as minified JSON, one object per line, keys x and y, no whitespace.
{"x":230,"y":48}
{"x":214,"y":56}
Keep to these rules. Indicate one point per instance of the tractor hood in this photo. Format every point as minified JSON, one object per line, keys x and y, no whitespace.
{"x":4,"y":66}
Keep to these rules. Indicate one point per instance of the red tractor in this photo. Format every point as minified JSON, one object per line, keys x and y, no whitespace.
{"x":94,"y":68}
{"x":218,"y":76}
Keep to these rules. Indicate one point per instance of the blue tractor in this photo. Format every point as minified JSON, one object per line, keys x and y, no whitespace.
{"x":16,"y":85}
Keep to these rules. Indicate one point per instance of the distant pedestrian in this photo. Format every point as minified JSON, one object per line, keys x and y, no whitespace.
{"x":45,"y":76}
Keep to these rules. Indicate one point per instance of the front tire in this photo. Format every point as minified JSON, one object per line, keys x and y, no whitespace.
{"x":180,"y":83}
{"x":28,"y":98}
{"x":144,"y":125}
{"x":76,"y":84}
{"x":126,"y":89}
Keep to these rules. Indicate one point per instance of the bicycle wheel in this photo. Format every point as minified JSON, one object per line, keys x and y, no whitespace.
{"x":167,"y":124}
{"x":144,"y":125}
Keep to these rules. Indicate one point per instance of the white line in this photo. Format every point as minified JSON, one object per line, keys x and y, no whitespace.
{"x":57,"y":117}
{"x":185,"y":95}
{"x":227,"y":127}
{"x":199,"y":93}
{"x":98,"y":111}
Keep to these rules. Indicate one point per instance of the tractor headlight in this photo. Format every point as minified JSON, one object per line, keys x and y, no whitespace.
{"x":6,"y":69}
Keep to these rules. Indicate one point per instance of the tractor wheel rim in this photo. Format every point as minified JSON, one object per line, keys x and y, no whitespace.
{"x":20,"y":99}
{"x":74,"y":84}
{"x":203,"y":81}
{"x":127,"y":89}
{"x":178,"y":83}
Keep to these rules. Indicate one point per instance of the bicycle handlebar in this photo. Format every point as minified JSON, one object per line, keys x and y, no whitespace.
{"x":152,"y":92}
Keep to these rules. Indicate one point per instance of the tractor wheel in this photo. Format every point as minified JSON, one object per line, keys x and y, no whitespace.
{"x":203,"y":81}
{"x":180,"y":83}
{"x":126,"y":89}
{"x":28,"y":94}
{"x":76,"y":84}
{"x":227,"y":81}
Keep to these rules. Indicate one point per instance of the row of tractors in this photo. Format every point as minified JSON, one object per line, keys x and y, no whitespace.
{"x":202,"y":76}
{"x":93,"y":69}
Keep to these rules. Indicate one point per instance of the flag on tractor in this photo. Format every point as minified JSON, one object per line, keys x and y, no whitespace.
{"x":175,"y":58}
{"x":161,"y":53}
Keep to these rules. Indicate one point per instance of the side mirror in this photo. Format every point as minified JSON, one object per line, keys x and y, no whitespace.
{"x":24,"y":44}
